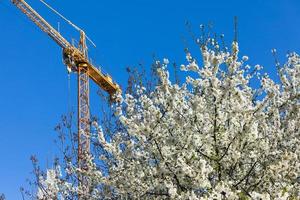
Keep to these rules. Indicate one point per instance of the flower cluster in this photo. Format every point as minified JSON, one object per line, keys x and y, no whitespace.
{"x":213,"y":137}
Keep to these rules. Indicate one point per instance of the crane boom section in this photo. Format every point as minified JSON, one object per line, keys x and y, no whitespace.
{"x":74,"y":55}
{"x":41,"y":23}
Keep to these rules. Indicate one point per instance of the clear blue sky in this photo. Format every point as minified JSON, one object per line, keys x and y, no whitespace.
{"x":33,"y":80}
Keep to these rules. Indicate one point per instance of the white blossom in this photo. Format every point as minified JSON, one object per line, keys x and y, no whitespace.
{"x":213,"y":137}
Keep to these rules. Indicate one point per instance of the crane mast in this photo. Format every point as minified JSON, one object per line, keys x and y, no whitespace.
{"x":76,"y":61}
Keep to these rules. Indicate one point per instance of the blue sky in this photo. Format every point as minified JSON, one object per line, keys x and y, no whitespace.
{"x":33,"y":80}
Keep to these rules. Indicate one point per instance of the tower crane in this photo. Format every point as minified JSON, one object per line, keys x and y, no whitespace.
{"x":76,"y":60}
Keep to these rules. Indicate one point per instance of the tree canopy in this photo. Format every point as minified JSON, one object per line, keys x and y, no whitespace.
{"x":215,"y":136}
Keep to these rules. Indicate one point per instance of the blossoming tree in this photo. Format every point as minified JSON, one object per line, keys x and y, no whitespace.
{"x":215,"y":136}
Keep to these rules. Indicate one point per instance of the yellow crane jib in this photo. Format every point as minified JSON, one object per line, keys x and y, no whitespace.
{"x":72,"y":56}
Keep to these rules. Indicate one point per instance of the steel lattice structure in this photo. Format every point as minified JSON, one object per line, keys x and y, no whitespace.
{"x":76,"y":60}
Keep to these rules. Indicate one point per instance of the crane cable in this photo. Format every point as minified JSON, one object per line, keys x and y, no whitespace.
{"x":69,"y":94}
{"x":68,"y":21}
